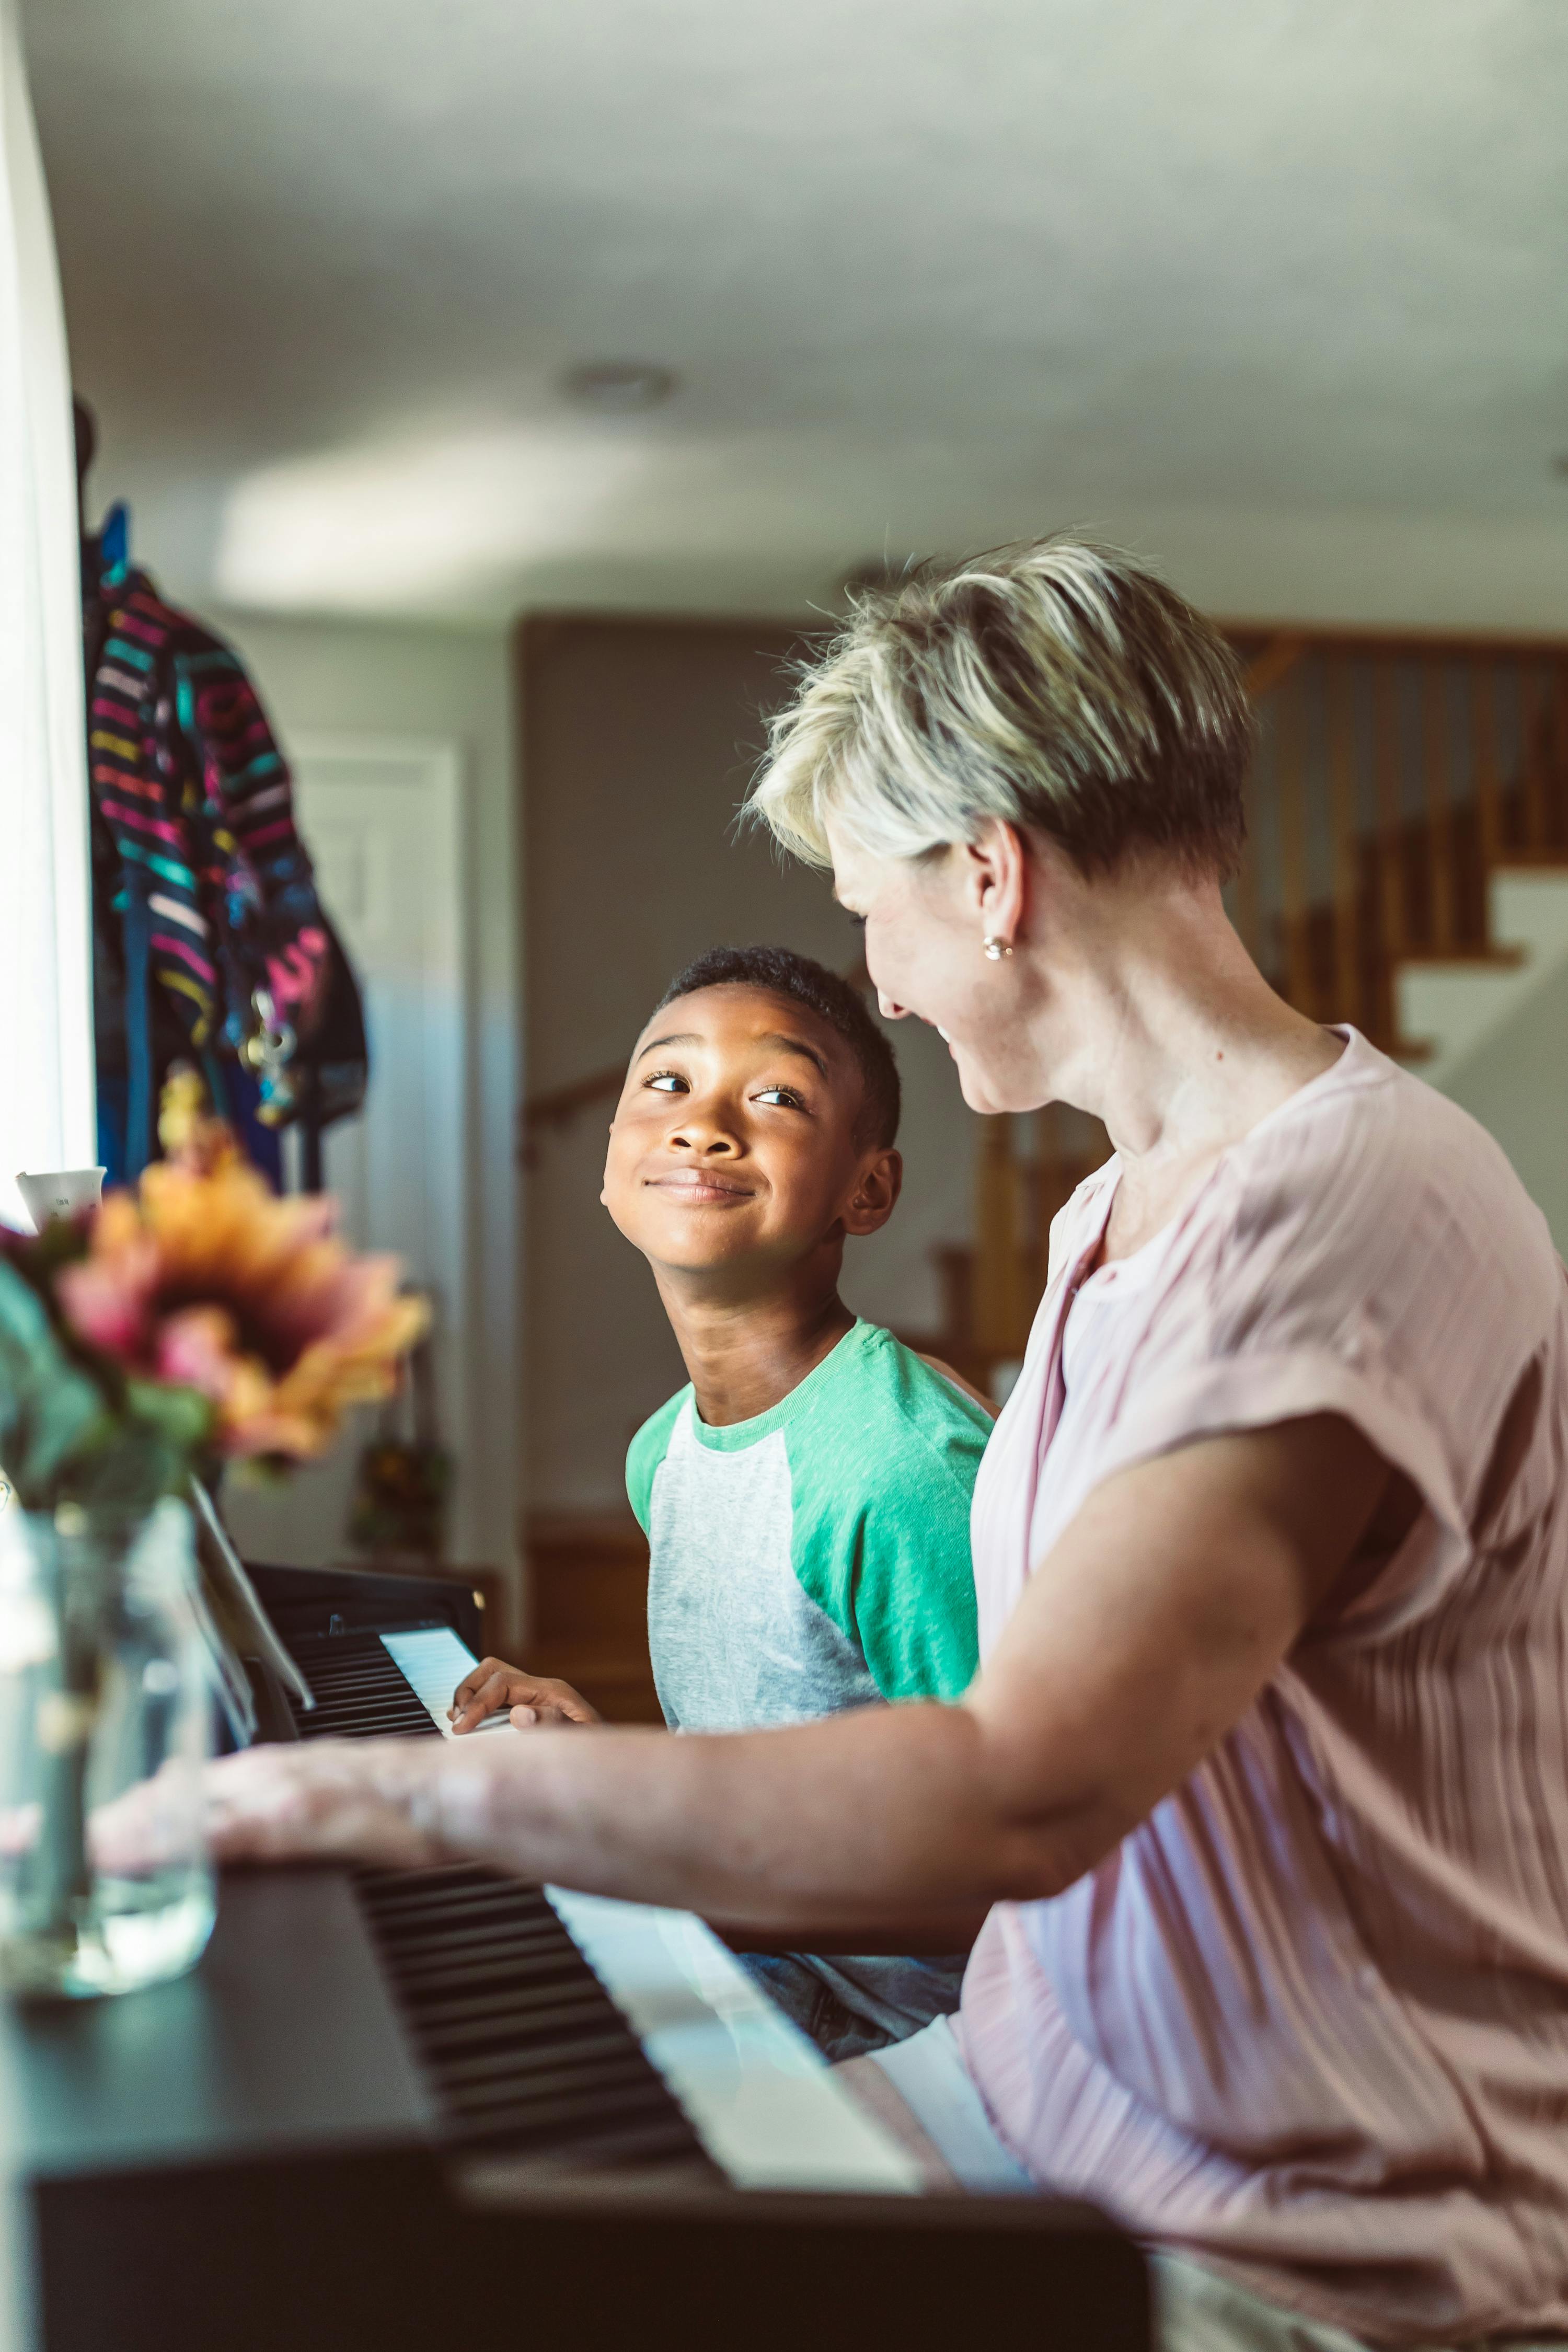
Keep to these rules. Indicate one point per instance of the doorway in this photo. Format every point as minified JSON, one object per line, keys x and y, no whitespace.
{"x":384,"y":820}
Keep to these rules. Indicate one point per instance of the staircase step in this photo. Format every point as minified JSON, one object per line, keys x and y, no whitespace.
{"x":1492,"y":958}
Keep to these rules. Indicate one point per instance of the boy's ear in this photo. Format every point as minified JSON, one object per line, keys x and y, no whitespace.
{"x":876,"y":1194}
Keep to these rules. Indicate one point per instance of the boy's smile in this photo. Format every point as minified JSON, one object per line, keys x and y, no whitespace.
{"x":735,"y":1145}
{"x":701,"y":1187}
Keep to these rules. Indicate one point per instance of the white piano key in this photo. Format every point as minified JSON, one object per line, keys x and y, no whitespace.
{"x":765,"y":2104}
{"x":433,"y":1663}
{"x":763,"y":2099}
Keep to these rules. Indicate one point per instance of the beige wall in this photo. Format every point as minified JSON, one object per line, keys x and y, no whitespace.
{"x":392,"y":679}
{"x":639,"y":738}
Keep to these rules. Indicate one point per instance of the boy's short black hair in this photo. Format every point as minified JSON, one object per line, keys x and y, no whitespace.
{"x":784,"y":973}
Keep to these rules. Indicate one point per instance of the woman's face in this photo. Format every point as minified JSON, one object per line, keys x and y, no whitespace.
{"x":926,"y":924}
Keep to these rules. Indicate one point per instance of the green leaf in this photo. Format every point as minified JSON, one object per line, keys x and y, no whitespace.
{"x":112,"y":1443}
{"x":50,"y":1410}
{"x":182,"y":1417}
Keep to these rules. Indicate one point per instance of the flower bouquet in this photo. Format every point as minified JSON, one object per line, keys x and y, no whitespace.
{"x":197,"y":1321}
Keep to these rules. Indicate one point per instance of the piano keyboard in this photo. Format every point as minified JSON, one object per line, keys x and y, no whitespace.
{"x":524,"y":2050}
{"x":555,"y":2024}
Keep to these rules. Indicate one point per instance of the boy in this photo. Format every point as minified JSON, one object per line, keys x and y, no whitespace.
{"x":806,"y":1498}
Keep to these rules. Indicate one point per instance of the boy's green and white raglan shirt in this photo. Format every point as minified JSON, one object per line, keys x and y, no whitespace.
{"x":817,"y":1556}
{"x":813,"y":1558}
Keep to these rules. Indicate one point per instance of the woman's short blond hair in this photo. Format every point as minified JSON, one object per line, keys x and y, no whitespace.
{"x":1055,"y":683}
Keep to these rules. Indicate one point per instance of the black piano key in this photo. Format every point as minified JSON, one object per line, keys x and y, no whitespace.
{"x":429,"y":1960}
{"x":564,"y":2083}
{"x":579,"y":2051}
{"x":359,"y":1690}
{"x":487,"y":2024}
{"x":422,"y":1972}
{"x":468,"y":1907}
{"x":523,"y":2050}
{"x":398,"y":1893}
{"x":470,"y":1919}
{"x":552,"y":2066}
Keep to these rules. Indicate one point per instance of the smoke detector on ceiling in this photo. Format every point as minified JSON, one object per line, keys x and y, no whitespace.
{"x":620,"y":387}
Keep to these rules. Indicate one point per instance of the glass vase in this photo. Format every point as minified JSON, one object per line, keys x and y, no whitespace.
{"x":104,"y":1683}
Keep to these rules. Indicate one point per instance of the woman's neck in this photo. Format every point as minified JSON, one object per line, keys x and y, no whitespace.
{"x":1175,"y":1041}
{"x":745,"y":1356}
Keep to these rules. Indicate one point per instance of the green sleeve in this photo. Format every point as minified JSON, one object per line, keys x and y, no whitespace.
{"x":645,"y":1451}
{"x":882,"y":1492}
{"x":912,"y":1598}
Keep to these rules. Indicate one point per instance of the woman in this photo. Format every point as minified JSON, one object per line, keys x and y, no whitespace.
{"x":1265,"y":1779}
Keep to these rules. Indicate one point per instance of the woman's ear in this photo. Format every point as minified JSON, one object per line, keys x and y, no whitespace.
{"x":995,"y":876}
{"x":876,"y":1194}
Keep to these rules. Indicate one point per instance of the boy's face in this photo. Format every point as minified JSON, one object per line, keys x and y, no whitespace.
{"x":734,"y":1146}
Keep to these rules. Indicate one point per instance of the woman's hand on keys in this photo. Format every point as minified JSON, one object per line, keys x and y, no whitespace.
{"x":529,"y":1698}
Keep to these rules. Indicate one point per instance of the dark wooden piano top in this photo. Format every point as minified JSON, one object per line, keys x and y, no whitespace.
{"x":284,"y":2038}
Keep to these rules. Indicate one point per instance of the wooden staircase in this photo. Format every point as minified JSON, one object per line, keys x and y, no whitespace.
{"x":1396,"y":775}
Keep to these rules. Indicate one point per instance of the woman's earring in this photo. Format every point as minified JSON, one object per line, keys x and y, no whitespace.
{"x":997,"y":949}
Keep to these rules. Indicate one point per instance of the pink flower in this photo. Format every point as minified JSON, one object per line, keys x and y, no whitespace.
{"x":208,"y":1281}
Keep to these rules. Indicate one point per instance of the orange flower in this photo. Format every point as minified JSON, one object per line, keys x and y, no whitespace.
{"x":208,"y":1280}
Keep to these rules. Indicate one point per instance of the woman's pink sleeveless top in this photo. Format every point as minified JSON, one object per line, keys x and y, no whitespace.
{"x":1309,"y":2022}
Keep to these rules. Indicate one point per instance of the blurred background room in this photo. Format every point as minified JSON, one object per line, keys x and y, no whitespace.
{"x":517,"y":390}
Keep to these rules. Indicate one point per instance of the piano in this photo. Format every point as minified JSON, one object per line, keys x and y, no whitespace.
{"x":395,"y":2106}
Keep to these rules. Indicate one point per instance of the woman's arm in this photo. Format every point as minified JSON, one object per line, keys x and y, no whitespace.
{"x":1141,"y":1639}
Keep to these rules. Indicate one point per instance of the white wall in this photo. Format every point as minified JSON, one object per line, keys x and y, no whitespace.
{"x":46,"y":990}
{"x":388,"y":680}
{"x":1517,"y":1085}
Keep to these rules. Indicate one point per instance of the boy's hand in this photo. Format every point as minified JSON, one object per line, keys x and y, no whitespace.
{"x":532,"y":1698}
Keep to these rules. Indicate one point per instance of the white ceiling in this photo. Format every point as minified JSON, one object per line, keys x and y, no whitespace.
{"x":1272,"y":288}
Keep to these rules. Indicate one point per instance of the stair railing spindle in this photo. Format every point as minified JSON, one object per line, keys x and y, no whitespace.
{"x":1439,"y":808}
{"x":1300,"y":984}
{"x":1484,"y":754}
{"x":1532,"y":689}
{"x":1343,"y":842}
{"x":1390,"y":821}
{"x":1000,"y":1313}
{"x":1248,"y":913}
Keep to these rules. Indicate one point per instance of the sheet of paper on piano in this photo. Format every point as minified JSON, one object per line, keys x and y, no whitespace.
{"x":763,"y":2099}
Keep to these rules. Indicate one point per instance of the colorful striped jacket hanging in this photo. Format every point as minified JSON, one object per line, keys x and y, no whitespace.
{"x":197,"y":799}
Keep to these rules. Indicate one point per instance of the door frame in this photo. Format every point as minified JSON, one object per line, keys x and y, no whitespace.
{"x":436,"y":767}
